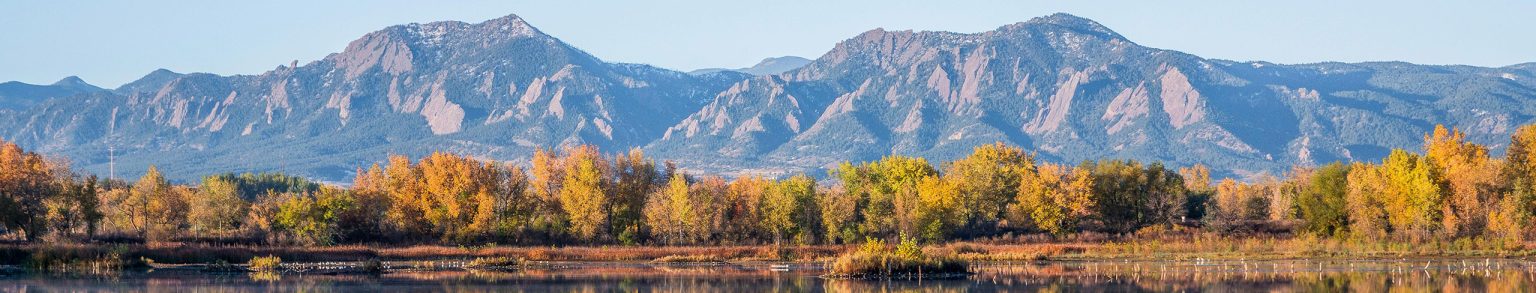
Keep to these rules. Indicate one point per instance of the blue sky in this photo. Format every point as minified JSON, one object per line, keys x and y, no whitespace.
{"x":112,"y":42}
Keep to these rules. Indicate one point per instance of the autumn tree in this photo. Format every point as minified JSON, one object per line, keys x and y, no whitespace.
{"x":670,"y":212}
{"x":583,"y":195}
{"x":1053,"y":199}
{"x":940,"y":209}
{"x":164,"y":206}
{"x":544,"y":182}
{"x":1511,"y":218}
{"x":403,"y":186}
{"x":1197,"y":182}
{"x":1238,"y":207}
{"x":741,"y":209}
{"x":842,"y":215}
{"x":26,"y":181}
{"x":687,"y":213}
{"x":708,"y":199}
{"x":455,"y":189}
{"x":1404,"y":191}
{"x":790,"y":212}
{"x":1472,"y":181}
{"x":217,"y":208}
{"x":987,"y":180}
{"x":373,"y":205}
{"x":1129,"y":195}
{"x":886,"y":189}
{"x":635,"y":178}
{"x":1366,"y":201}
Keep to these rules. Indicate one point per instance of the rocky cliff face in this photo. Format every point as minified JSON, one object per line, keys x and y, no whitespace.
{"x":1062,"y":86}
{"x":1071,"y":90}
{"x":496,"y":89}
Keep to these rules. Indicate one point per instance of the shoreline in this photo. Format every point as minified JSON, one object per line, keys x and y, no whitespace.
{"x":31,"y":255}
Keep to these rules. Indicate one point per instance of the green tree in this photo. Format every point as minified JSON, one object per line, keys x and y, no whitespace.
{"x":1322,"y":202}
{"x":77,"y":207}
{"x":315,"y":218}
{"x":1197,"y":181}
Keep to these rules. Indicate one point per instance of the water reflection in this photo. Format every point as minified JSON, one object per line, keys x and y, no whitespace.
{"x":1240,"y":276}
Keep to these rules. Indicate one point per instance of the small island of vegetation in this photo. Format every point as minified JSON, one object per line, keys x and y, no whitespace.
{"x":874,"y":260}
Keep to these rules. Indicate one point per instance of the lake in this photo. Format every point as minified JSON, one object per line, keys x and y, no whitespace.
{"x":1475,"y":275}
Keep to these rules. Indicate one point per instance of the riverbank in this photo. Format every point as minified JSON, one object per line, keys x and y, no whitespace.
{"x":64,"y":255}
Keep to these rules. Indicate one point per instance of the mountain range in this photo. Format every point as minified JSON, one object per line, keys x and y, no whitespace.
{"x":1064,"y":87}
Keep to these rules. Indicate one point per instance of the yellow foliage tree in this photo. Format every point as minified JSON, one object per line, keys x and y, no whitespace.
{"x":1365,"y":199}
{"x":743,"y":196}
{"x":26,"y":181}
{"x":988,"y":179}
{"x":1410,"y":192}
{"x":1472,"y":179}
{"x":939,"y":209}
{"x":1053,"y":199}
{"x":582,"y":193}
{"x":217,"y":209}
{"x":670,"y":212}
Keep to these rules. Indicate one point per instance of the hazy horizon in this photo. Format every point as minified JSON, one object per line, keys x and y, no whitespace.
{"x":109,"y":44}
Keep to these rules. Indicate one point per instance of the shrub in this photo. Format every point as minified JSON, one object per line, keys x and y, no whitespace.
{"x":372,"y":266}
{"x":265,"y":263}
{"x":494,"y":262}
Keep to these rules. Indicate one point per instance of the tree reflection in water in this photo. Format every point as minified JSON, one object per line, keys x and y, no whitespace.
{"x":1241,"y":276}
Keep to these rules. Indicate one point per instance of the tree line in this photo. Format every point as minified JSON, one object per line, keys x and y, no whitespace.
{"x":1453,"y":189}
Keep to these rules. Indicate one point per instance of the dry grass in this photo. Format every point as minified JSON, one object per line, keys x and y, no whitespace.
{"x":614,"y":253}
{"x":1007,"y":252}
{"x":1216,"y":247}
{"x":688,"y":259}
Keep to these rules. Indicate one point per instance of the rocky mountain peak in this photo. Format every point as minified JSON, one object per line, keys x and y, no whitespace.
{"x":508,"y":22}
{"x":70,"y":81}
{"x":150,"y":82}
{"x":75,"y":83}
{"x":1061,"y":23}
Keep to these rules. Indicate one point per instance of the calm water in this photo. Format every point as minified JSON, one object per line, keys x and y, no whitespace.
{"x":1469,"y":275}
